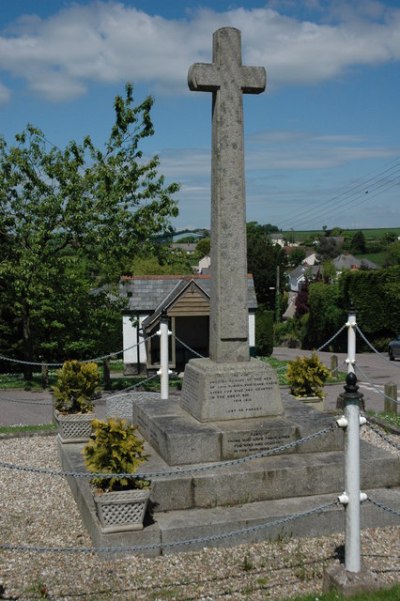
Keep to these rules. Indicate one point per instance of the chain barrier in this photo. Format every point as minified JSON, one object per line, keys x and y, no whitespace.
{"x":174,"y":472}
{"x":332,"y":338}
{"x":378,"y":431}
{"x":129,"y":388}
{"x":371,"y":345}
{"x":120,"y":393}
{"x":188,"y":347}
{"x":94,"y":360}
{"x":375,"y":386}
{"x":167,"y":545}
{"x":27,"y":402}
{"x":382,"y":506}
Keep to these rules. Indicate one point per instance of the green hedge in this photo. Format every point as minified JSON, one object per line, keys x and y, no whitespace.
{"x":264,"y":332}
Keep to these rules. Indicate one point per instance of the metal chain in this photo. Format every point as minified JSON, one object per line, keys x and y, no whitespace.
{"x":166,"y":545}
{"x":129,"y":388}
{"x":385,"y":438}
{"x":384,"y":507}
{"x":175,"y":472}
{"x":371,"y":346}
{"x":94,"y":360}
{"x":27,"y":402}
{"x":188,"y":347}
{"x":375,"y":386}
{"x":121,"y":393}
{"x":330,"y":339}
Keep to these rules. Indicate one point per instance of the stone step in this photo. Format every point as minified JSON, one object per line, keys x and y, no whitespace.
{"x":311,"y":516}
{"x":271,"y":478}
{"x":185,"y":530}
{"x":181,"y":439}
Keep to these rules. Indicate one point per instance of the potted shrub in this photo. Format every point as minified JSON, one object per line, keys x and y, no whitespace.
{"x":74,"y":392}
{"x":306,"y":377}
{"x":115,"y":448}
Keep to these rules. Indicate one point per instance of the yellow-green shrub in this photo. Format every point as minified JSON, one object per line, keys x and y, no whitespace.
{"x":76,"y":386}
{"x":115,"y":448}
{"x":307,"y":376}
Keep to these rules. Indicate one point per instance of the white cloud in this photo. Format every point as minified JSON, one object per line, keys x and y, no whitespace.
{"x":296,"y":150}
{"x":5,"y":94}
{"x":110,"y":42}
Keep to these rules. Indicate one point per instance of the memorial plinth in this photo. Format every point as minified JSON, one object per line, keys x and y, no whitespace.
{"x":228,"y":391}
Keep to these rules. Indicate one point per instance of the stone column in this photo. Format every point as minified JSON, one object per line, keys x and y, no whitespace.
{"x":228,"y":385}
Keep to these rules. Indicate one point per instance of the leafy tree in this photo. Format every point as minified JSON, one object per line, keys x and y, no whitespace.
{"x":301,"y":302}
{"x":325,"y":315}
{"x":358,"y":243}
{"x":328,"y":272}
{"x":174,"y":262}
{"x":375,"y":295}
{"x":70,"y":221}
{"x":328,"y":249}
{"x":393,"y":254}
{"x":203,"y":247}
{"x":297,"y":256}
{"x":264,"y":332}
{"x":389,"y":237}
{"x":263,"y":259}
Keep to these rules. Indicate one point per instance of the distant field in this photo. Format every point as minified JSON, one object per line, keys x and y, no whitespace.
{"x":378,"y":258}
{"x":370,"y":234}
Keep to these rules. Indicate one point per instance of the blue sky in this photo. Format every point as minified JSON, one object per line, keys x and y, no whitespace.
{"x":322,"y":142}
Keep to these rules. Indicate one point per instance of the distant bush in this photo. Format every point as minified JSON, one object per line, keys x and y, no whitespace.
{"x":264,"y":332}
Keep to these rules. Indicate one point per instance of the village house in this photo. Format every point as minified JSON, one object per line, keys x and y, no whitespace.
{"x":185,"y":300}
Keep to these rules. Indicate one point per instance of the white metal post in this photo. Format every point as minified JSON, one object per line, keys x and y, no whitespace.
{"x":352,"y":483}
{"x":163,"y":372}
{"x":352,"y":496}
{"x":351,"y":341}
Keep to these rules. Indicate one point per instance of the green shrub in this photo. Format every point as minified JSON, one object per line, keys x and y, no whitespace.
{"x":264,"y":332}
{"x":307,"y":376}
{"x":115,"y":448}
{"x":76,"y":386}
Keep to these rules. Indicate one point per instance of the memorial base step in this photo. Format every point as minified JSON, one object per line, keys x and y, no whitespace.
{"x":181,"y":439}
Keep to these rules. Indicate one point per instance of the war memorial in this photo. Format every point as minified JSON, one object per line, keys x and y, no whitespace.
{"x":217,"y":479}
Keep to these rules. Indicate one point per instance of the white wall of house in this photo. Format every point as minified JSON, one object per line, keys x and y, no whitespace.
{"x":129,"y":337}
{"x":252,"y":329}
{"x":132,"y":352}
{"x":204,"y":263}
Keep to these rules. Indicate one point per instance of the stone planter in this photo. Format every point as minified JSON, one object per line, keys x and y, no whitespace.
{"x":313,"y":401}
{"x":74,"y":427}
{"x":119,"y":511}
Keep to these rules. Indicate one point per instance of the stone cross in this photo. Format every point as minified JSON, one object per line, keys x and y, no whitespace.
{"x":228,"y":79}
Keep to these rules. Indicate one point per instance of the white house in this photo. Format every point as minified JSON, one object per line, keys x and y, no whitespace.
{"x":185,"y":300}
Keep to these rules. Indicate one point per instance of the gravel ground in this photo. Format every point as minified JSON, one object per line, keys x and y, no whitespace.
{"x":39,"y":510}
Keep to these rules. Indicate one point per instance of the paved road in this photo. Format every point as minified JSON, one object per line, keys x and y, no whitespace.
{"x":374,"y":371}
{"x":18,"y":407}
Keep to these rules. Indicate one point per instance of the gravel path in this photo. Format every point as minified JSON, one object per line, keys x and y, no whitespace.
{"x":39,"y":510}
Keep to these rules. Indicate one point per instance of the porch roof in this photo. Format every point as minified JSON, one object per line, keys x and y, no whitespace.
{"x":146,"y":293}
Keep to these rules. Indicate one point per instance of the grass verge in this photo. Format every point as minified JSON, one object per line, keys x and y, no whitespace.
{"x":28,"y":429}
{"x":388,"y":594}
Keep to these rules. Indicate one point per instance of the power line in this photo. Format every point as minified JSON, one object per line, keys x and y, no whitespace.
{"x":360,"y":192}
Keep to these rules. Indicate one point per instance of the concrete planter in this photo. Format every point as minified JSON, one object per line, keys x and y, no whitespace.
{"x":120,"y":511}
{"x":74,"y":427}
{"x":315,"y":402}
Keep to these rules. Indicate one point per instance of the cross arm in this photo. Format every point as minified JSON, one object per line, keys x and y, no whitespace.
{"x":203,"y":77}
{"x":254,"y":80}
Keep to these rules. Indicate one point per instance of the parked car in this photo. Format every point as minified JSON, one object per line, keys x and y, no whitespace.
{"x":394,"y":348}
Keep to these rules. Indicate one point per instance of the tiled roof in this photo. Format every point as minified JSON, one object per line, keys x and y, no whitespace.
{"x":145,"y":293}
